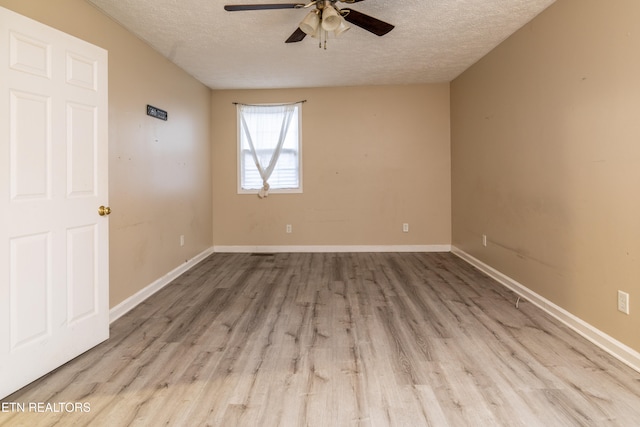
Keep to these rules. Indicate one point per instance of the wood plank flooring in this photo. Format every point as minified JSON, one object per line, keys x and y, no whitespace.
{"x":348,"y":339}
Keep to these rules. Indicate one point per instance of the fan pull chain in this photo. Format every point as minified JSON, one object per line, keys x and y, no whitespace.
{"x":320,"y":34}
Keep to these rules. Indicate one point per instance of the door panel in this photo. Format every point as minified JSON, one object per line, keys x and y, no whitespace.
{"x":54,"y":278}
{"x":30,"y":146}
{"x":82,"y":71}
{"x":30,"y":289}
{"x":82,"y":149}
{"x":82,"y":284}
{"x":29,"y":55}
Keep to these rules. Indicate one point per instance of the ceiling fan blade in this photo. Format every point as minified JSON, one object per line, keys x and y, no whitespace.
{"x":238,"y":7}
{"x":297,"y":36}
{"x":369,"y":23}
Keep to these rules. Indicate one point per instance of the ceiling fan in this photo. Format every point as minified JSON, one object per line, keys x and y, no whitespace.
{"x":325,"y":17}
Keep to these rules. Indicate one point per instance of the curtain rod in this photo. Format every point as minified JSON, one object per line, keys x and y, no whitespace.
{"x":274,"y":105}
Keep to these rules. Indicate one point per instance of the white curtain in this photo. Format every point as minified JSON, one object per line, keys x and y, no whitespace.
{"x":265,"y":128}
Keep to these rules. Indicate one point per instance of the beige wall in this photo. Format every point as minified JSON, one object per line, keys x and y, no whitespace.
{"x":373,"y":158}
{"x":546,"y":160}
{"x":158,"y":190}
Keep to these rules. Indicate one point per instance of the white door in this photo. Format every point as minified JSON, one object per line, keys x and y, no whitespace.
{"x":54,"y":284}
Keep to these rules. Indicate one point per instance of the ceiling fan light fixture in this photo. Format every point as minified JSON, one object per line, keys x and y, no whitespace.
{"x":318,"y":33}
{"x":331,"y":19}
{"x":341,"y":28}
{"x":311,"y":23}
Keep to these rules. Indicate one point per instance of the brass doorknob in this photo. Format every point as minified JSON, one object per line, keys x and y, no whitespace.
{"x":102,"y":211}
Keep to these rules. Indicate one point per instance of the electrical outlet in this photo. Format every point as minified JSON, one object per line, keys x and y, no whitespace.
{"x":289,"y":229}
{"x":182,"y":240}
{"x":405,"y":227}
{"x":623,"y":302}
{"x":484,"y":240}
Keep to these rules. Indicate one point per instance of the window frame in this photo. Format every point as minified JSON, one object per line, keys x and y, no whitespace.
{"x":240,"y":153}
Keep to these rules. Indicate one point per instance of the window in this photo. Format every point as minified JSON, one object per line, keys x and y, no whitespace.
{"x":269,"y":149}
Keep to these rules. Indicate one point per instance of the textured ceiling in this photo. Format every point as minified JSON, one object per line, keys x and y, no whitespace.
{"x":433,"y":40}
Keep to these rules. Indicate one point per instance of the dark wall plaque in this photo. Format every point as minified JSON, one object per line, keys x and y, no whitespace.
{"x":156,"y":112}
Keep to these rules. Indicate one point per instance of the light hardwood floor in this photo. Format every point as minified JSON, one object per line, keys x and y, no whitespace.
{"x":337,"y":340}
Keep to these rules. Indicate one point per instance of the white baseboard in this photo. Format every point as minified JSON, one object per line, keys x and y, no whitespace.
{"x":329,"y":248}
{"x":609,"y":344}
{"x":125,"y":306}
